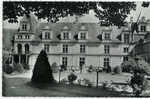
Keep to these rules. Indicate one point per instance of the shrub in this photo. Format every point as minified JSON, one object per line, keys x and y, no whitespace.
{"x":26,"y":66}
{"x":55,"y":67}
{"x":42,"y":72}
{"x":117,"y":70}
{"x":90,"y":69}
{"x":126,"y":68}
{"x":19,"y":68}
{"x":8,"y":69}
{"x":72,"y":77}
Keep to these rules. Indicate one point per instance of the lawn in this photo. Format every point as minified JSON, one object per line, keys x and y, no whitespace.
{"x":22,"y":87}
{"x":18,"y":85}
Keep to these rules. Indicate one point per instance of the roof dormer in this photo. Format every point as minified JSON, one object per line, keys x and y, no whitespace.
{"x":28,"y":24}
{"x":46,"y":33}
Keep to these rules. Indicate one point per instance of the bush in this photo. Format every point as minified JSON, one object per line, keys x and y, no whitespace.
{"x":126,"y":68}
{"x":8,"y":69}
{"x":117,"y":70}
{"x":72,"y":77}
{"x":19,"y":68}
{"x":26,"y":66}
{"x":90,"y":69}
{"x":55,"y":67}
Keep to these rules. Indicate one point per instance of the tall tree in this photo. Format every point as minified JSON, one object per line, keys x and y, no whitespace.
{"x":42,"y":72}
{"x":113,"y":13}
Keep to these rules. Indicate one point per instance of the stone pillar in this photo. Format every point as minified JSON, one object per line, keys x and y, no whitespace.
{"x":19,"y":59}
{"x":12,"y":59}
{"x":26,"y":59}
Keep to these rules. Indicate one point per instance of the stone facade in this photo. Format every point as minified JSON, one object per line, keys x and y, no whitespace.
{"x":73,"y":44}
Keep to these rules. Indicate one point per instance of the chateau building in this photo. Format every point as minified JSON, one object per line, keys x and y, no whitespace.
{"x":74,"y":43}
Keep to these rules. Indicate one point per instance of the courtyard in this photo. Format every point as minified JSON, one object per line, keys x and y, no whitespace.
{"x":19,"y":85}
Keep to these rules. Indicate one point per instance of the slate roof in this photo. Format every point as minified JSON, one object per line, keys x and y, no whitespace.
{"x":93,"y":29}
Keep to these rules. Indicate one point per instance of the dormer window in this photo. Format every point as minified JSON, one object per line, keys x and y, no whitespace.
{"x":107,"y":36}
{"x":65,"y":35}
{"x":19,"y":36}
{"x":24,"y":27}
{"x":27,"y":36}
{"x":47,"y":35}
{"x":143,"y":28}
{"x":82,"y":35}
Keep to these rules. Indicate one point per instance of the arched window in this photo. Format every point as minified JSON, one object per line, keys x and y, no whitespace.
{"x":26,"y":48}
{"x":19,"y":48}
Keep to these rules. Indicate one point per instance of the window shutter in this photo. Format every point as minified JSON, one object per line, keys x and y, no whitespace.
{"x":79,"y":35}
{"x":69,"y":35}
{"x":86,"y":35}
{"x":51,"y":35}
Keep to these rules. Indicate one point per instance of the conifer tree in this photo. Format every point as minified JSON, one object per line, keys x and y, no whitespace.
{"x":42,"y":72}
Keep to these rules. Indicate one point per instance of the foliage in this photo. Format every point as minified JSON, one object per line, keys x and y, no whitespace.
{"x":72,"y":77}
{"x":117,"y":69}
{"x":18,"y":67}
{"x":90,"y":69}
{"x":26,"y":66}
{"x":113,"y":13}
{"x":145,"y":4}
{"x":63,"y":67}
{"x":8,"y":69}
{"x":55,"y":67}
{"x":127,"y":68}
{"x":138,"y":83}
{"x":42,"y":72}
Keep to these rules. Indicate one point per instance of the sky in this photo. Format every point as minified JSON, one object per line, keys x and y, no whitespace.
{"x":90,"y":18}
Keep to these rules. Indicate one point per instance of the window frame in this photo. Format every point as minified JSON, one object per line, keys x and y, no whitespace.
{"x":82,"y":61}
{"x":126,"y":38}
{"x":24,"y":27}
{"x":106,"y":61}
{"x":125,"y":49}
{"x":82,"y":48}
{"x":143,"y":28}
{"x":47,"y":47}
{"x":47,"y":35}
{"x":107,"y":36}
{"x":66,"y":35}
{"x":125,"y":58}
{"x":65,"y":61}
{"x":107,"y":49}
{"x":65,"y":48}
{"x":83,"y":35}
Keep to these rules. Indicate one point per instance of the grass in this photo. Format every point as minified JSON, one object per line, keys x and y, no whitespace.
{"x":23,"y":87}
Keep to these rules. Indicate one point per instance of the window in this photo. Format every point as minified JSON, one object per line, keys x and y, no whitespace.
{"x":66,"y":35}
{"x":19,"y":36}
{"x":64,"y":61}
{"x":106,"y":62}
{"x":143,"y":28}
{"x":46,"y":47}
{"x":47,"y":35}
{"x":125,"y":58}
{"x":82,"y":61}
{"x":82,"y":48}
{"x":107,"y":36}
{"x":27,"y":36}
{"x":126,"y":38}
{"x":65,"y":48}
{"x":125,"y":49}
{"x":19,"y":47}
{"x":106,"y":49}
{"x":82,"y":35}
{"x":26,"y":48}
{"x":24,"y":27}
